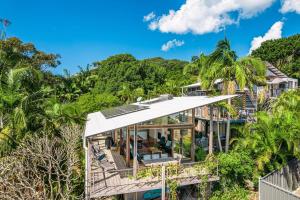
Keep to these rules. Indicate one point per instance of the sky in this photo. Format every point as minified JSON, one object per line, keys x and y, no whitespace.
{"x":83,"y":32}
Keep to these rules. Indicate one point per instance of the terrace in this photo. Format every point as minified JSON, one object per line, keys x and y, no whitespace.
{"x":126,"y":149}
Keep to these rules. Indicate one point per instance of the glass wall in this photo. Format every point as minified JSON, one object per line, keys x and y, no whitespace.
{"x":183,"y":142}
{"x":184,"y":117}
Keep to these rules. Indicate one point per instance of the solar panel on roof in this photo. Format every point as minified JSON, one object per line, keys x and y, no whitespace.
{"x":122,"y":110}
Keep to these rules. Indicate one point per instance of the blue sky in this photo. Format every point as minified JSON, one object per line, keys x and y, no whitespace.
{"x":86,"y":31}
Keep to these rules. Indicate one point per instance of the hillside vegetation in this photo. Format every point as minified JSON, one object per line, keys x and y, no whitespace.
{"x":283,"y":53}
{"x":42,"y":114}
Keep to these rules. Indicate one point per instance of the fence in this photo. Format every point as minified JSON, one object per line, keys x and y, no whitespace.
{"x":280,"y":184}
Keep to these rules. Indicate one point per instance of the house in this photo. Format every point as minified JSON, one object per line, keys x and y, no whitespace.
{"x":246,"y":103}
{"x":124,"y":141}
{"x":277,"y":82}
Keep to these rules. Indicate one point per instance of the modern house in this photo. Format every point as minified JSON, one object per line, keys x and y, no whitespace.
{"x":123,"y":145}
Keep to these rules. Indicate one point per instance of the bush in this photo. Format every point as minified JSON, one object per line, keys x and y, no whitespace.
{"x":235,"y":167}
{"x":232,"y":193}
{"x":200,"y":154}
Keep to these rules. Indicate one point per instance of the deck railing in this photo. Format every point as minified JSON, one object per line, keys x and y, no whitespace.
{"x":99,"y":181}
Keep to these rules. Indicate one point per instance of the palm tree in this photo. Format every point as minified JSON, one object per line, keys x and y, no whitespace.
{"x":223,"y":64}
{"x":16,"y":102}
{"x":275,"y":137}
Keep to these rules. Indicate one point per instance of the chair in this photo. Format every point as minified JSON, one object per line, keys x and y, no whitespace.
{"x":98,"y":154}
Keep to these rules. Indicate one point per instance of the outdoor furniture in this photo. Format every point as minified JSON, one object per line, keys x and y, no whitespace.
{"x":154,"y":150}
{"x":152,"y":194}
{"x":98,"y":154}
{"x":107,"y":166}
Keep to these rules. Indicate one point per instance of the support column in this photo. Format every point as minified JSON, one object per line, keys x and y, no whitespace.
{"x":88,"y":180}
{"x":115,"y":136}
{"x":135,"y":161}
{"x":163,"y":182}
{"x":193,"y":136}
{"x":121,"y":140}
{"x":172,"y":147}
{"x":127,"y":147}
{"x":210,"y":145}
{"x":228,"y":128}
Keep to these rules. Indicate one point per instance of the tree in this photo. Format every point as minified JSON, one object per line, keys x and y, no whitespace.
{"x":18,"y":106}
{"x":283,"y":53}
{"x":223,"y":64}
{"x":275,"y":138}
{"x":46,"y":167}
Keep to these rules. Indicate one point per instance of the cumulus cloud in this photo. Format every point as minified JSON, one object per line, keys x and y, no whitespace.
{"x":290,"y":6}
{"x":149,"y":17}
{"x":204,"y":16}
{"x":172,"y":44}
{"x":273,"y":33}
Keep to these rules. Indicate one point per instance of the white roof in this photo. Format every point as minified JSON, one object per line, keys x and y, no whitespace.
{"x":198,"y":84}
{"x":281,"y":80}
{"x":97,"y":123}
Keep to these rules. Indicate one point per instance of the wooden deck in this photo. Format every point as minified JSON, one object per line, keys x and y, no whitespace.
{"x":121,"y":181}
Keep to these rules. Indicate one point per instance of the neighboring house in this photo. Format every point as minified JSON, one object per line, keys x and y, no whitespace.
{"x":123,"y":141}
{"x":277,"y":82}
{"x":281,"y":184}
{"x":246,"y":104}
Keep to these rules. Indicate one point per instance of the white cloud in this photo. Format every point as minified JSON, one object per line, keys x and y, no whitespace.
{"x":290,"y":6}
{"x":171,"y":44}
{"x":149,"y":17}
{"x":273,"y":33}
{"x":204,"y":16}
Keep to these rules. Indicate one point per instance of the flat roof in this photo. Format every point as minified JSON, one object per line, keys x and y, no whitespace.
{"x":97,"y":123}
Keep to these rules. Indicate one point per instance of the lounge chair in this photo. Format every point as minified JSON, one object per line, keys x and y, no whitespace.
{"x":98,"y":154}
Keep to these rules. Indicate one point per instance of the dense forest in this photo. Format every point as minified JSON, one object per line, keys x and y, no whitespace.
{"x":42,"y":114}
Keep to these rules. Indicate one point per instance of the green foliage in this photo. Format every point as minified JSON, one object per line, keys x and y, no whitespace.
{"x":200,"y":154}
{"x":232,"y":193}
{"x":283,"y":53}
{"x":275,"y":138}
{"x":91,"y":102}
{"x":122,"y":74}
{"x":235,"y":167}
{"x":223,"y":64}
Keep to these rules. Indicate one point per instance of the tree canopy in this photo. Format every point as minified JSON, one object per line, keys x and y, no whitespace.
{"x":283,"y":53}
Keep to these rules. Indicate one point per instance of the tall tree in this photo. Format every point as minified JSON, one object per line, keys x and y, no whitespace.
{"x":224,"y":64}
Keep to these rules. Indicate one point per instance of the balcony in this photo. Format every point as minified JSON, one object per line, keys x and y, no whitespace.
{"x":122,"y":181}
